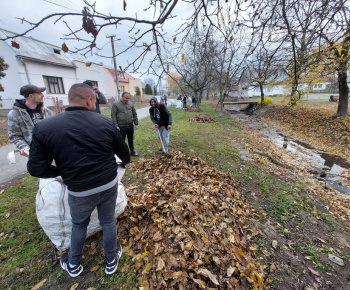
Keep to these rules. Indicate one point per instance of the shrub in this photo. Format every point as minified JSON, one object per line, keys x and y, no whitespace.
{"x":267,"y":100}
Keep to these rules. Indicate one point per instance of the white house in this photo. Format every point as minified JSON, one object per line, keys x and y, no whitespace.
{"x":43,"y":64}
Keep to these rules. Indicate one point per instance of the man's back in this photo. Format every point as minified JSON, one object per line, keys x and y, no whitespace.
{"x":83,"y":145}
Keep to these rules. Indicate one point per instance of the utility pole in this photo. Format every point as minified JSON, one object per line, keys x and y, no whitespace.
{"x":115,"y":66}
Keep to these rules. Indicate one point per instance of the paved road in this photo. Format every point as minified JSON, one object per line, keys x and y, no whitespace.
{"x":11,"y":172}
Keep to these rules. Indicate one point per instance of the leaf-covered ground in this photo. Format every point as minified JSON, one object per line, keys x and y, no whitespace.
{"x":315,"y":123}
{"x":188,"y":227}
{"x":308,"y":224}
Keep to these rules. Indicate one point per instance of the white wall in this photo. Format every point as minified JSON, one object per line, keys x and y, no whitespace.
{"x":16,"y":76}
{"x":93,"y":73}
{"x":110,"y":87}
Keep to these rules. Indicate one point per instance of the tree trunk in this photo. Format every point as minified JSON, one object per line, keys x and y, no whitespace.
{"x":293,"y":97}
{"x":262,"y":92}
{"x":197,"y":98}
{"x":343,"y":93}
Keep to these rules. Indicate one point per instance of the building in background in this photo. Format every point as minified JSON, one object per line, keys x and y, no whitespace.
{"x":32,"y":61}
{"x":127,"y":83}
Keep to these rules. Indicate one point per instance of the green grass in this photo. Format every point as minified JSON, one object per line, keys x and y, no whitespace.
{"x":217,"y":143}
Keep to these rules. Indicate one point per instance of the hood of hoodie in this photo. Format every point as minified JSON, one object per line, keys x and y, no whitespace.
{"x":22,"y":104}
{"x":155,"y":99}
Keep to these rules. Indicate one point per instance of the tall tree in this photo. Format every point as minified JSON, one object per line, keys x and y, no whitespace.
{"x":263,"y":66}
{"x":148,"y":90}
{"x":338,"y":40}
{"x":196,"y":64}
{"x":302,"y":22}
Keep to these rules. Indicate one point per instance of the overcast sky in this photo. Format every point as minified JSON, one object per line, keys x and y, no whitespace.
{"x":34,"y":10}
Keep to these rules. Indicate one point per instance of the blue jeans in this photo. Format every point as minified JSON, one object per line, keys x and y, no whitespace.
{"x":81,"y":209}
{"x":164,"y":133}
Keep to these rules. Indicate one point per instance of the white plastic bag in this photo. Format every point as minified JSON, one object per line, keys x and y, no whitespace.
{"x":53,"y":212}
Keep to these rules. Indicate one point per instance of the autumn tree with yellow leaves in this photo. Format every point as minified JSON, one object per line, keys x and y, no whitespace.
{"x":173,"y":80}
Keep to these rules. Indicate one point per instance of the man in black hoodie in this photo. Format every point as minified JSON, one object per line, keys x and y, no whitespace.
{"x":162,"y":120}
{"x":25,"y":114}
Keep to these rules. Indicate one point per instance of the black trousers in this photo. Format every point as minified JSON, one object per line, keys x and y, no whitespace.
{"x":128,"y":131}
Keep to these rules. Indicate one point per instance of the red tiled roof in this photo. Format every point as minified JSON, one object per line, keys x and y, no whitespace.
{"x":125,"y":76}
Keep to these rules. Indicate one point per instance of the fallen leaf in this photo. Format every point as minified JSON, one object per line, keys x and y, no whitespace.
{"x":75,"y":286}
{"x":314,"y":272}
{"x":200,"y":283}
{"x":207,"y":273}
{"x":177,"y":275}
{"x":93,"y":245}
{"x":161,"y":264}
{"x":94,"y":269}
{"x":19,"y":270}
{"x":274,"y":244}
{"x":230,"y":271}
{"x":40,"y":284}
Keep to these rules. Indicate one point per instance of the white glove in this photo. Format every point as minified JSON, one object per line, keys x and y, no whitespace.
{"x":136,"y":127}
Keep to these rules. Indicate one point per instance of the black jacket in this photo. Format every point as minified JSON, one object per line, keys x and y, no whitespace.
{"x":166,"y":117}
{"x":83,"y":145}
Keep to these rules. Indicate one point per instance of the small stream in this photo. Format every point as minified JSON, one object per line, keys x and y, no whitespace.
{"x":327,"y":167}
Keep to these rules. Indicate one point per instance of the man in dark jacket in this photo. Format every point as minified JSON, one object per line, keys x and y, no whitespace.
{"x":100,"y":98}
{"x":24,"y":115}
{"x":83,"y":145}
{"x":162,"y":120}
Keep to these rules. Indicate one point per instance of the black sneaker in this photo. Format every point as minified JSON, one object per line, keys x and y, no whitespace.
{"x":73,"y":272}
{"x":133,"y":153}
{"x":160,"y":149}
{"x":112,"y":266}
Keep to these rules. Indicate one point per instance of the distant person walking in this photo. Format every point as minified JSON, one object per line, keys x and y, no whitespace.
{"x":82,"y":144}
{"x":162,"y":119}
{"x":194,"y":102}
{"x":184,"y":100}
{"x":125,"y":117}
{"x":100,"y":98}
{"x":25,"y":114}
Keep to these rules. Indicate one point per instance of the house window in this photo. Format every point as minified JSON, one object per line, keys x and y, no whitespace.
{"x":121,"y":88}
{"x":54,"y":85}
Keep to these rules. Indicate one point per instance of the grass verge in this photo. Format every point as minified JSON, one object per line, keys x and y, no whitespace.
{"x":27,"y":256}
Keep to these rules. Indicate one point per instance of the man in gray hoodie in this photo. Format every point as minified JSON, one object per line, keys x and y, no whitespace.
{"x":24,"y":115}
{"x":162,"y":120}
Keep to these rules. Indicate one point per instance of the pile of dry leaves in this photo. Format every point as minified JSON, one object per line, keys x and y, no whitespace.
{"x":186,"y":227}
{"x":201,"y":119}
